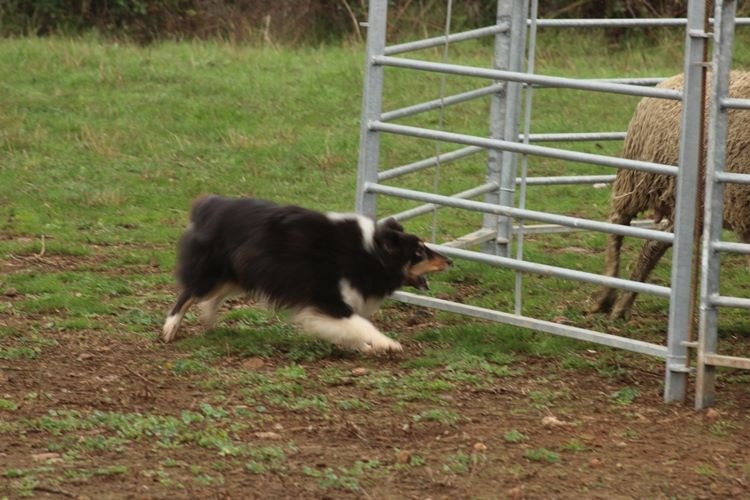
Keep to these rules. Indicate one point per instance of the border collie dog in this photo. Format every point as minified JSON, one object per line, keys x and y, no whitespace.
{"x":331,"y":270}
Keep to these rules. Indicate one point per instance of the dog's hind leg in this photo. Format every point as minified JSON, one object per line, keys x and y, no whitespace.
{"x":172,"y":323}
{"x":210,"y":304}
{"x":353,"y":332}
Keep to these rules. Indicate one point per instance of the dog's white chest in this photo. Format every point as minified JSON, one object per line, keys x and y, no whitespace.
{"x":354,"y":299}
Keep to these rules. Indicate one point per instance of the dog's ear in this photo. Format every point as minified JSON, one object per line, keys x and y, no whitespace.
{"x":397,"y":243}
{"x":391,"y":223}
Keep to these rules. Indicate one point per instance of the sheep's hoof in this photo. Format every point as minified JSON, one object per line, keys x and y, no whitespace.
{"x":603,"y":300}
{"x":620,"y":313}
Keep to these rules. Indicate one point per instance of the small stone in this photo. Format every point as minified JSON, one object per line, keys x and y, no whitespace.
{"x":358,"y":372}
{"x":514,"y":493}
{"x":46,"y":457}
{"x":552,"y":421}
{"x":254,"y":363}
{"x":84,"y":356}
{"x":10,"y":292}
{"x":595,"y":463}
{"x":712,"y":414}
{"x":403,"y":457}
{"x":268,"y":435}
{"x":480,"y":447}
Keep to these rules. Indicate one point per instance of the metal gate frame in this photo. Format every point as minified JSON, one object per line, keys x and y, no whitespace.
{"x":710,"y":299}
{"x":504,"y":144}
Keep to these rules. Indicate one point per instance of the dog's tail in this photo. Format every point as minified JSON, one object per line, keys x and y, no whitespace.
{"x":200,"y":208}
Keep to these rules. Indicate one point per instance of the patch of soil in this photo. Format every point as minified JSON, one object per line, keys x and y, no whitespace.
{"x":583,"y":443}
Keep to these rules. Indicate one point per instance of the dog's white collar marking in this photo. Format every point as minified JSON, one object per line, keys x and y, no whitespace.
{"x":354,"y":299}
{"x":366,"y":226}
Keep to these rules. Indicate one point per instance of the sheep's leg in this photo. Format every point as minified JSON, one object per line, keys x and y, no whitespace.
{"x":603,"y":298}
{"x":650,"y":254}
{"x":745,"y":238}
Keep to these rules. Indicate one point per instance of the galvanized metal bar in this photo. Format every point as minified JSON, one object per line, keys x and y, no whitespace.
{"x":478,"y":206}
{"x":568,"y":180}
{"x":710,"y":299}
{"x":442,"y":40}
{"x":733,"y":177}
{"x":429,"y":207}
{"x":575,"y":137}
{"x":508,"y":160}
{"x":680,"y":309}
{"x":497,"y":117}
{"x":516,"y":147}
{"x":641,"y":81}
{"x":726,"y":361}
{"x":735,"y":103}
{"x":372,"y":103}
{"x":725,"y":301}
{"x":439,"y":103}
{"x":557,"y":228}
{"x":727,"y":246}
{"x":428,"y":162}
{"x":535,"y":324}
{"x":553,"y":271}
{"x":515,"y":76}
{"x":623,"y":23}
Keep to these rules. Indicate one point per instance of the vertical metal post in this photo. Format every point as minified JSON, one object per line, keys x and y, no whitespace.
{"x":717,"y":139}
{"x":680,"y":317}
{"x":372,"y":101}
{"x":504,"y":116}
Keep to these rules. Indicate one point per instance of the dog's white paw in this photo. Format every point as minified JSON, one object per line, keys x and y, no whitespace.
{"x":381,"y":345}
{"x":171,"y":325}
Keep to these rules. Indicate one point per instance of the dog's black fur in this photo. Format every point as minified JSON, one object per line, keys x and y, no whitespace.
{"x":296,"y":259}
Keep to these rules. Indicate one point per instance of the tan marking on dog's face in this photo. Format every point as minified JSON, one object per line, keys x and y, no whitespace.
{"x":428,"y":261}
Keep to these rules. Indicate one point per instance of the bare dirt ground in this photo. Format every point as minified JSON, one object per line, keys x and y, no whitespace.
{"x":545,"y":432}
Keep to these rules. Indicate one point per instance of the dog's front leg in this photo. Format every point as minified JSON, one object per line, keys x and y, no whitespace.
{"x":353,"y":332}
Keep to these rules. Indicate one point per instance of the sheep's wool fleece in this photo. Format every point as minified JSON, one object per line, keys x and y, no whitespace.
{"x":653,"y":135}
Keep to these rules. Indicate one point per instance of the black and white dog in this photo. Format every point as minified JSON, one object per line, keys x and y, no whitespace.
{"x":331,"y":270}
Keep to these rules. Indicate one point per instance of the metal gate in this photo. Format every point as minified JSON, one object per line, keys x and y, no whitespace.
{"x":511,"y":79}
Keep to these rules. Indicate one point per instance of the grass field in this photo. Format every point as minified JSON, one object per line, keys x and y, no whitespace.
{"x":102,"y":147}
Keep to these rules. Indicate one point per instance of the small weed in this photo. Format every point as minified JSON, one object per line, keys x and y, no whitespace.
{"x":353,"y":404}
{"x":625,"y":396}
{"x":8,"y":405}
{"x":542,"y":455}
{"x":461,"y":463}
{"x":720,"y":428}
{"x":112,"y":470}
{"x":211,"y":412}
{"x":514,"y":436}
{"x":447,"y":417}
{"x":705,"y":470}
{"x":575,"y":445}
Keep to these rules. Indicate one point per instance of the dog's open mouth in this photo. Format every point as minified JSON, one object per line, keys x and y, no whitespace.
{"x":434,"y":262}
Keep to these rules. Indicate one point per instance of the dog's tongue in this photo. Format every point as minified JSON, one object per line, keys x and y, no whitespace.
{"x":418,"y":282}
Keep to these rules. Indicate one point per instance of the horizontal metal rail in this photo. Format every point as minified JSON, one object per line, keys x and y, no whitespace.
{"x":625,"y":23}
{"x":428,"y":162}
{"x":557,"y":228}
{"x":732,"y":177}
{"x":514,"y":76}
{"x":728,"y":246}
{"x":726,"y":361}
{"x":735,"y":103}
{"x":535,"y":324}
{"x":442,"y":40}
{"x":575,"y":137}
{"x":429,"y":207}
{"x":516,"y":147}
{"x":439,"y":103}
{"x":567,"y":180}
{"x":724,"y":301}
{"x":490,"y":208}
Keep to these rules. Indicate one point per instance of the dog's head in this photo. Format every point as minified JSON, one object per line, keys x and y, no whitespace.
{"x":409,"y":253}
